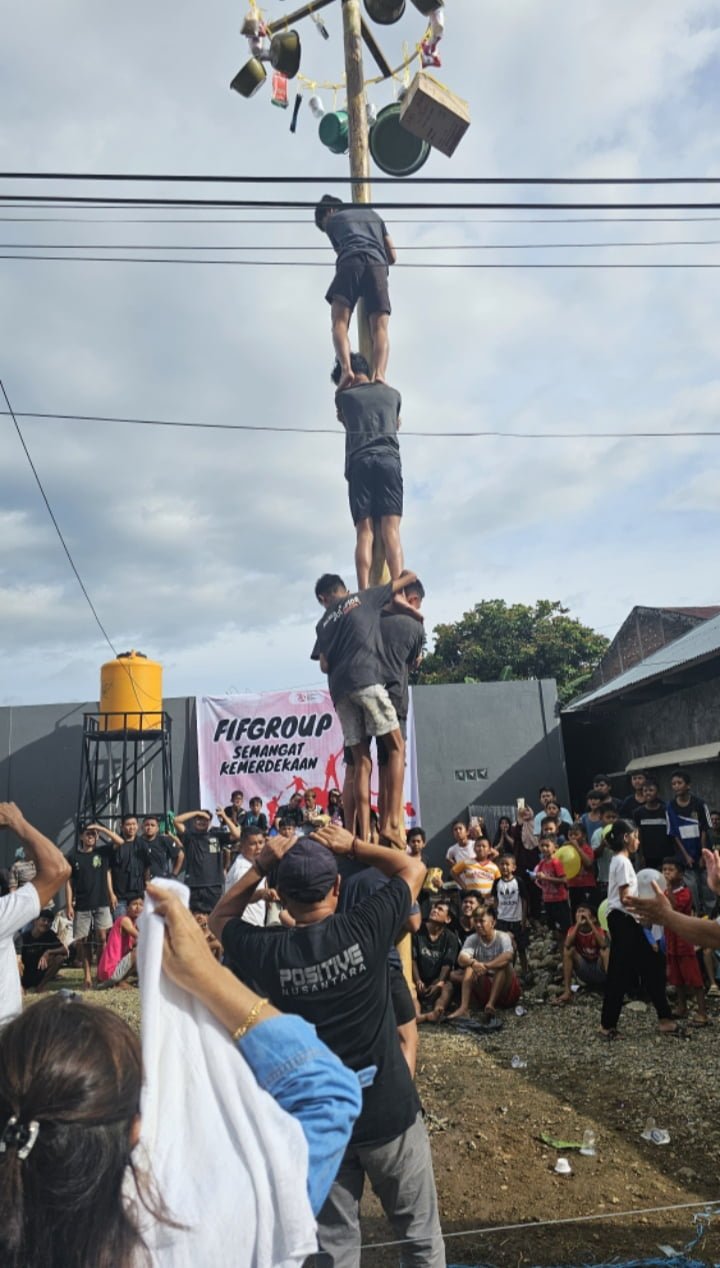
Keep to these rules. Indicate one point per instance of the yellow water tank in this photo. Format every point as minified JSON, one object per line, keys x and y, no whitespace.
{"x":131,"y":694}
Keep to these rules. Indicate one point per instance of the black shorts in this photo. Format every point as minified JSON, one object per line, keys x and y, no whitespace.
{"x":361,"y":278}
{"x":375,"y":486}
{"x":205,"y":897}
{"x":518,"y":931}
{"x":402,"y":1000}
{"x":558,"y":916}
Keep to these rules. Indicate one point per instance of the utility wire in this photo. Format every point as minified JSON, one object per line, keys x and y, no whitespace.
{"x":304,"y":220}
{"x":339,"y":433}
{"x":56,"y":526}
{"x":305,"y":205}
{"x":156,"y":178}
{"x":321,"y":264}
{"x":322,"y":247}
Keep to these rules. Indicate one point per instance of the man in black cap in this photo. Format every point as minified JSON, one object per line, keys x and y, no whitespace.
{"x":364,"y":250}
{"x":332,"y":970}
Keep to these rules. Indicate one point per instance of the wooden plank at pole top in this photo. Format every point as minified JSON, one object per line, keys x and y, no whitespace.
{"x":433,"y":113}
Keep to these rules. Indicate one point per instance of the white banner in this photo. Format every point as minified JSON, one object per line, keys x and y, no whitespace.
{"x":275,"y":743}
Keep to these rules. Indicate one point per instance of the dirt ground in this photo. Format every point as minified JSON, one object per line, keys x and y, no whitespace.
{"x":492,"y":1170}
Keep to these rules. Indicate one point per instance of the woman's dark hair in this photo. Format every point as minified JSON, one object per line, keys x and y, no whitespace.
{"x":75,"y":1070}
{"x":499,"y":830}
{"x":4,"y":882}
{"x":616,"y":836}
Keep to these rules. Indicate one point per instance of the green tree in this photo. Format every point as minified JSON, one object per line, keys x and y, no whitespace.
{"x":496,"y":642}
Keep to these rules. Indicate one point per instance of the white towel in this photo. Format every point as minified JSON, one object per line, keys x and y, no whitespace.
{"x":228,"y":1161}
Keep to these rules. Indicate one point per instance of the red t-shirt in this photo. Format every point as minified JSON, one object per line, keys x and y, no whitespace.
{"x":682,"y":902}
{"x":552,"y":893}
{"x":585,"y":943}
{"x":585,"y":878}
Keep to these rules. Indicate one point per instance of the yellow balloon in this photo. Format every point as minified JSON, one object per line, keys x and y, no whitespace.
{"x":570,"y":860}
{"x":603,"y":915}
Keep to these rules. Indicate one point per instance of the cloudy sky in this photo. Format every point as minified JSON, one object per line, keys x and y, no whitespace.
{"x":201,"y":549}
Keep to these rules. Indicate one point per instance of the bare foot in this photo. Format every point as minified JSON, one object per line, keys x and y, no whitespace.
{"x":394,"y":837}
{"x":565,"y":998}
{"x":459,"y":1012}
{"x":378,"y":378}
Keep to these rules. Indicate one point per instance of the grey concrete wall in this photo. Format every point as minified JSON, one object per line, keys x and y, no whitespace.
{"x":507,"y":729}
{"x":677,"y":719}
{"x":40,"y":751}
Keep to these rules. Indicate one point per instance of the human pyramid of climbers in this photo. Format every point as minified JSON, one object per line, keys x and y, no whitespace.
{"x":368,"y":639}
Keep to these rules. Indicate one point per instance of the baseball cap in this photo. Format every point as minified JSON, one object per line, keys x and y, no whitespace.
{"x":307,"y":872}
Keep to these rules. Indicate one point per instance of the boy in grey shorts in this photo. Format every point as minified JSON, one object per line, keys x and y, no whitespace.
{"x":349,"y":648}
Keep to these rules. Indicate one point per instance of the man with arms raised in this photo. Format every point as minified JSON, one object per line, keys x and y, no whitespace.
{"x":24,"y":905}
{"x":332,"y":970}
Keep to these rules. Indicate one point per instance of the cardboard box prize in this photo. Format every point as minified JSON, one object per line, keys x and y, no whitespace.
{"x":432,"y":112}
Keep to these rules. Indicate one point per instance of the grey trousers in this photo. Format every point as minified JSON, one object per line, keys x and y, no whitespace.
{"x":401,"y":1175}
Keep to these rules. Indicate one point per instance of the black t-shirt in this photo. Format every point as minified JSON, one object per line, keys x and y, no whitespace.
{"x":629,"y":806}
{"x":369,"y":412}
{"x":349,"y":636}
{"x":357,"y":231}
{"x":358,"y":881}
{"x":239,"y":818}
{"x":33,"y":948}
{"x":654,"y":840}
{"x":127,"y":868}
{"x":461,"y":933}
{"x":203,"y":859}
{"x":335,"y":975}
{"x":293,"y":814}
{"x":403,"y":638}
{"x":160,"y":854}
{"x":431,"y":956}
{"x":89,"y":877}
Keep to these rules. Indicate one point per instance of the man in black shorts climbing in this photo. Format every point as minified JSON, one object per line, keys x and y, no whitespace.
{"x":364,"y":250}
{"x":370,"y":413}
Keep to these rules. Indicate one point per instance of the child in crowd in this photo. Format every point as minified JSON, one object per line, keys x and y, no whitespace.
{"x":527,"y":855}
{"x":583,"y":886}
{"x":119,"y":956}
{"x":601,"y":849}
{"x":592,"y":819}
{"x":509,"y":895}
{"x":479,"y":873}
{"x":585,"y":953}
{"x":683,"y":970}
{"x":550,"y":876}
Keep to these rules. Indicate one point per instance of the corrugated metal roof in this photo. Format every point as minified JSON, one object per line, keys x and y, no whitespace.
{"x":676,"y":757}
{"x":696,"y":645}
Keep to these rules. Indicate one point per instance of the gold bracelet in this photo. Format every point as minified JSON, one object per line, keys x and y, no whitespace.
{"x":250,"y":1019}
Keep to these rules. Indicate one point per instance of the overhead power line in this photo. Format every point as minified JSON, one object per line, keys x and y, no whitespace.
{"x":158,"y":178}
{"x":305,"y":205}
{"x":322,"y":247}
{"x":307,"y":222}
{"x":339,"y":433}
{"x":320,"y":264}
{"x":55,"y":524}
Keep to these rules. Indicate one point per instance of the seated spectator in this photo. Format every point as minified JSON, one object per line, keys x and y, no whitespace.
{"x":592,"y":819}
{"x":292,"y":811}
{"x":480,"y":873}
{"x":509,"y":895}
{"x":488,"y":978}
{"x":335,"y":807}
{"x":583,"y":886}
{"x":236,"y":811}
{"x":119,"y":957}
{"x":601,"y":849}
{"x":683,"y":970}
{"x":635,"y":799}
{"x":504,"y":841}
{"x":416,"y":840}
{"x":463,"y":850}
{"x":550,"y":876}
{"x":256,"y":817}
{"x":585,"y":953}
{"x":42,"y":953}
{"x":527,"y":856}
{"x":547,"y":794}
{"x":69,"y":1126}
{"x":313,"y":815}
{"x":434,"y":952}
{"x":462,"y":923}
